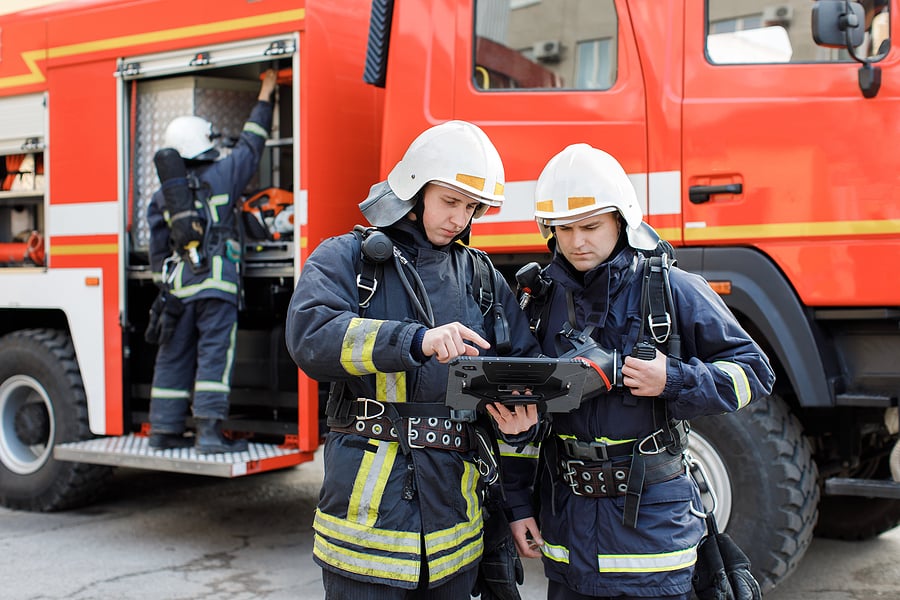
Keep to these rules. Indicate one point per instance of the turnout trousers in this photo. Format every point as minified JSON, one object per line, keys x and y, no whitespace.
{"x":198,"y":358}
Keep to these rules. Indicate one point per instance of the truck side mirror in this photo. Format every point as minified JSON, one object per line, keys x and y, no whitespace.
{"x":838,"y":24}
{"x":841,"y":24}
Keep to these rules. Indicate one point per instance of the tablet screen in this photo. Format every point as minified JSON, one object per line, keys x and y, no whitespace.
{"x":555,"y":384}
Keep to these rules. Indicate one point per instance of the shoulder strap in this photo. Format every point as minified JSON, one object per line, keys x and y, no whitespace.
{"x":368,"y":267}
{"x":657,"y":310}
{"x":488,"y":301}
{"x":482,"y":280}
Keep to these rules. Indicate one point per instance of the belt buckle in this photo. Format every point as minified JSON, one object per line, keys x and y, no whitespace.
{"x":412,"y":434}
{"x":589,"y":450}
{"x":657,"y":449}
{"x":602,"y":450}
{"x":365,"y":404}
{"x":569,"y":475}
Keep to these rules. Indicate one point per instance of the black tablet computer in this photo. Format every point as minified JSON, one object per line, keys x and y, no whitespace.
{"x":555,"y":384}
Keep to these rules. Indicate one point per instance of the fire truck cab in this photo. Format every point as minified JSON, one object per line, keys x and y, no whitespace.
{"x":758,"y":135}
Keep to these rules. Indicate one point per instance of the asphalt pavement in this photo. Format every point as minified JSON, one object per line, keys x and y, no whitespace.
{"x":165,"y":536}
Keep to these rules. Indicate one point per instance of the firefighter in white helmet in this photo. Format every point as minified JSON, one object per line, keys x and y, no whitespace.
{"x":619,"y":456}
{"x":380,"y":312}
{"x":195,"y":256}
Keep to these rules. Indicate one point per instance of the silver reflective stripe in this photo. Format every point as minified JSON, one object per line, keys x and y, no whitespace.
{"x":371,"y":478}
{"x":358,"y":346}
{"x":212,"y":386}
{"x":529,"y":451}
{"x":647,"y":563}
{"x":738,"y":380}
{"x":251,"y":127}
{"x":169,"y":393}
{"x":373,"y":538}
{"x":391,"y":568}
{"x":558,"y":553}
{"x":391,"y":387}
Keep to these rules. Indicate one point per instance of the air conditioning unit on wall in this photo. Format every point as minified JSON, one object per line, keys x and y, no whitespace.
{"x":778,"y":14}
{"x":547,"y":51}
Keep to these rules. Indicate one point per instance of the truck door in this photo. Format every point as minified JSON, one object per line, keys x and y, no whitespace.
{"x":782,"y":151}
{"x":538,"y":76}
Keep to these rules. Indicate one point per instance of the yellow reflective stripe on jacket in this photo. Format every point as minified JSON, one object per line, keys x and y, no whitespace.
{"x":390,"y":387}
{"x":531,"y":450}
{"x":214,"y":203}
{"x":251,"y":127}
{"x":372,"y":476}
{"x":647,"y":563}
{"x":213,"y":282}
{"x":464,"y":540}
{"x":559,"y":554}
{"x":352,"y":561}
{"x":599,"y":440}
{"x":739,"y":381}
{"x":364,"y":536}
{"x":358,"y":346}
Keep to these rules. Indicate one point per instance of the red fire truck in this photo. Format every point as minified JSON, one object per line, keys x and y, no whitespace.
{"x":758,"y":134}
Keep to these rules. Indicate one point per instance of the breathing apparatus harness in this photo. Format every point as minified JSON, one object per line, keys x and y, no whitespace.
{"x":423,"y":421}
{"x":658,"y":456}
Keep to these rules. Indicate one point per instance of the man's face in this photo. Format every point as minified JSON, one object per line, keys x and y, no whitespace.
{"x":590,"y":241}
{"x":446,"y":213}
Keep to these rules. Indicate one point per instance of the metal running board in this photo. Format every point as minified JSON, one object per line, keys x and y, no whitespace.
{"x":869,"y":488}
{"x":134,"y":451}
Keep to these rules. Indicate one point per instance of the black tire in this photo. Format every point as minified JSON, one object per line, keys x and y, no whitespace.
{"x":42,"y":403}
{"x":854,"y":518}
{"x":760,"y":466}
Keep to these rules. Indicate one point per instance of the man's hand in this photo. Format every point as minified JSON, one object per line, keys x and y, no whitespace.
{"x":448,"y":341}
{"x":270,"y":78}
{"x":645,"y":377}
{"x":527,"y":537}
{"x":512,"y":422}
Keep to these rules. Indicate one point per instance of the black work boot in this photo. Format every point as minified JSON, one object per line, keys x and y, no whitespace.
{"x":211,"y":441}
{"x":165,"y":441}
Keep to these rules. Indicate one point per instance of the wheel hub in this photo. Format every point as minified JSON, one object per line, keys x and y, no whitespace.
{"x":32,"y":424}
{"x":26,"y":425}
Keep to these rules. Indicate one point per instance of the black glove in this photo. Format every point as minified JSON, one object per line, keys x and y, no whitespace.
{"x":500,"y":569}
{"x":722,"y":571}
{"x":737,"y":566}
{"x":165,"y":312}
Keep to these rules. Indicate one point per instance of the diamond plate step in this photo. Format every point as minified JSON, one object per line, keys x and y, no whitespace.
{"x":134,"y":451}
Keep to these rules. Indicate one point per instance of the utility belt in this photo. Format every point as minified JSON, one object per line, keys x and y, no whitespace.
{"x":605,"y":480}
{"x":418,"y":432}
{"x":422,"y":424}
{"x":589,"y":470}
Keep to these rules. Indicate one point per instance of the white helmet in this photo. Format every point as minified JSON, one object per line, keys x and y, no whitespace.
{"x":192,"y":137}
{"x":456,"y":154}
{"x":582,"y":181}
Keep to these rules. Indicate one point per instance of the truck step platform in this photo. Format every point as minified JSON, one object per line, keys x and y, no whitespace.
{"x":134,"y":451}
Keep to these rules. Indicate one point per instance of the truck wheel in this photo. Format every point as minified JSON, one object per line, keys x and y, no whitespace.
{"x":856,"y":518}
{"x":42,"y":403}
{"x":761,"y":469}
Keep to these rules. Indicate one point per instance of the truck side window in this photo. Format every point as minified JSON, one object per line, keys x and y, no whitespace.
{"x":534,"y":44}
{"x":758,"y":31}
